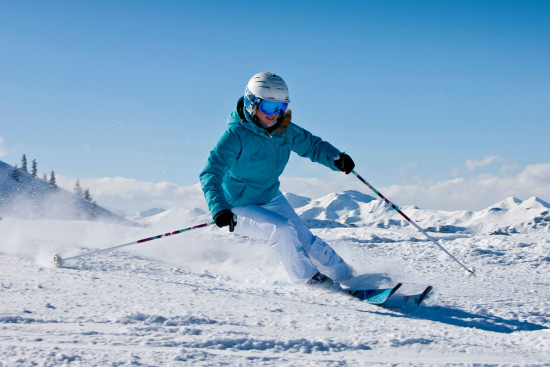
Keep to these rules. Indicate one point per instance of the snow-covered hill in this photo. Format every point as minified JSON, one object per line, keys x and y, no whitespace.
{"x":208,"y":298}
{"x":30,"y":197}
{"x":355,"y":209}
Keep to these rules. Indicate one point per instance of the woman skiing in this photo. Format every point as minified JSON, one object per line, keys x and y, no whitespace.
{"x":241,"y":181}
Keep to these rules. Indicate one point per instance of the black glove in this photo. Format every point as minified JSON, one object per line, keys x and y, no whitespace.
{"x":226,"y":218}
{"x":344,"y":163}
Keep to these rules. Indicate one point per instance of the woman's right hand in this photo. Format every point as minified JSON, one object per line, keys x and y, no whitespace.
{"x":226,"y":218}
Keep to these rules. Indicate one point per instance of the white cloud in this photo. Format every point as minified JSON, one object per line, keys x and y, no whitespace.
{"x":130,"y":195}
{"x":474,"y":193}
{"x":3,"y":150}
{"x":509,"y":167}
{"x":472,"y":165}
{"x":535,"y":177}
{"x":460,"y":193}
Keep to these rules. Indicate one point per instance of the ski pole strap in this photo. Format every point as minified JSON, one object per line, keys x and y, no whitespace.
{"x":470,"y":271}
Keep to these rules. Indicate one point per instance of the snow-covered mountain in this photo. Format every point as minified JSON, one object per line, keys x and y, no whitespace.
{"x":150,"y":212}
{"x":355,"y":209}
{"x":512,"y":216}
{"x":30,"y":197}
{"x":173,"y":218}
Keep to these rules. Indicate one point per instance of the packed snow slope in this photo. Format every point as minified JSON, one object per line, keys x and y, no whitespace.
{"x":207,"y":297}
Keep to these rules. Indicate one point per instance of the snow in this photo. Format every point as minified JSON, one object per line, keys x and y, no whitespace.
{"x":207,"y":297}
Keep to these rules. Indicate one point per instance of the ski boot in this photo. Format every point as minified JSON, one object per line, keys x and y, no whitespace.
{"x":321,"y":281}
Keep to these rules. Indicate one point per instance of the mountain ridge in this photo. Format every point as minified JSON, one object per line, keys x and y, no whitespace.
{"x":353,"y":208}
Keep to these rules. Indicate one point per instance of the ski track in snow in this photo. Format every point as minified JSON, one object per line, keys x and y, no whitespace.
{"x":210,"y":298}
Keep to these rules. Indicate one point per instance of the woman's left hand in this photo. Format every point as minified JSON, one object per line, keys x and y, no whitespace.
{"x":344,"y":163}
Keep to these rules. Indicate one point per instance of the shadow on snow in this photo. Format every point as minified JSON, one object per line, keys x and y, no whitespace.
{"x":456,"y":317}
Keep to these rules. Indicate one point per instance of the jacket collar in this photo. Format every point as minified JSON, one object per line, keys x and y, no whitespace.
{"x":281,"y":124}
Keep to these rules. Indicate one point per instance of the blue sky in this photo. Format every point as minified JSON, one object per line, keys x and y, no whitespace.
{"x":422,"y":94}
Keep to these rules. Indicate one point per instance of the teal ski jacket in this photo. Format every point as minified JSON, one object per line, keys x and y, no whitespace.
{"x":245,"y":164}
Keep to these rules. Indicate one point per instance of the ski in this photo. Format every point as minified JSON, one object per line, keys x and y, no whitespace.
{"x":374,"y":296}
{"x":417,"y":299}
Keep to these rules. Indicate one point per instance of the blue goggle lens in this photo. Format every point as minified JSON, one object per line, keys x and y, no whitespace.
{"x":273,"y":108}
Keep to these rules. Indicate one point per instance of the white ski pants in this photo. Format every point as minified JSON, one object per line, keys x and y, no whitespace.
{"x":300,"y":252}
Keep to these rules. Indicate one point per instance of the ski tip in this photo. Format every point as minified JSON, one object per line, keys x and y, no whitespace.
{"x":424,"y":294}
{"x":58,"y":261}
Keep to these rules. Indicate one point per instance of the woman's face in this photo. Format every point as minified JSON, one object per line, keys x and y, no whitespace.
{"x":267,"y":120}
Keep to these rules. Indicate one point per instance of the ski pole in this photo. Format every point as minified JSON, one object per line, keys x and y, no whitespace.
{"x":470,"y":271}
{"x":59,"y":261}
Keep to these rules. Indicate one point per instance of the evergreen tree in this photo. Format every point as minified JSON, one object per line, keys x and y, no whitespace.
{"x":45,"y":177}
{"x":52,"y":183}
{"x":87,"y":195}
{"x":34,"y":171}
{"x":78,"y":189}
{"x":24,"y":164}
{"x":15,"y":173}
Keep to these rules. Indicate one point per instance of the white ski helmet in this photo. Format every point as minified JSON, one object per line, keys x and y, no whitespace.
{"x":264,"y":86}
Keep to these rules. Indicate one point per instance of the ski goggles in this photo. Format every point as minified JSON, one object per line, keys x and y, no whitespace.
{"x":273,"y":108}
